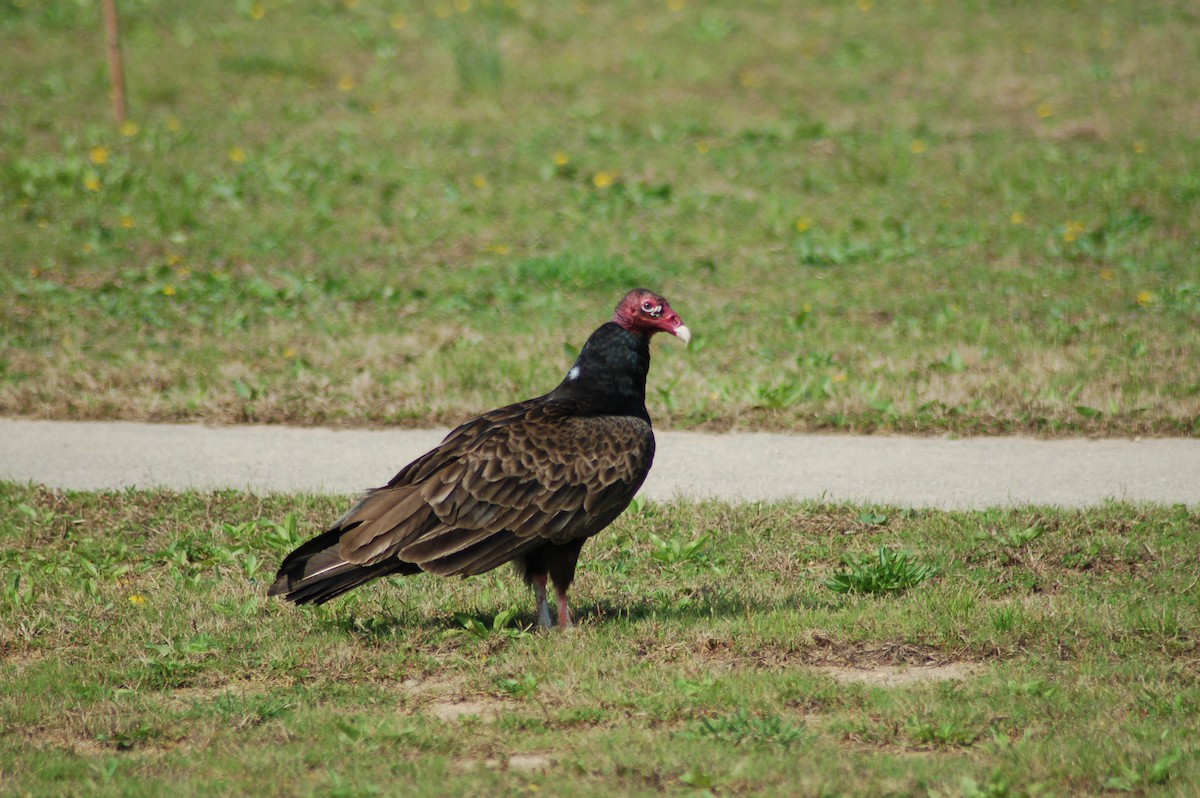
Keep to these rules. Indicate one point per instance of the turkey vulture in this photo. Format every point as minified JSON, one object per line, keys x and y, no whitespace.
{"x":528,"y":483}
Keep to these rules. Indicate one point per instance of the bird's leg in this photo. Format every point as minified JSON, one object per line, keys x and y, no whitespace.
{"x":543,"y":608}
{"x":564,"y":612}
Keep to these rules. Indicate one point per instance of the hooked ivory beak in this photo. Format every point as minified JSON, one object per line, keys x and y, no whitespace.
{"x":683,"y":334}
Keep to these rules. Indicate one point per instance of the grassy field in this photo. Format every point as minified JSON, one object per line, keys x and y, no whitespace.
{"x":904,"y":216}
{"x":1034,"y":653}
{"x":913,"y":216}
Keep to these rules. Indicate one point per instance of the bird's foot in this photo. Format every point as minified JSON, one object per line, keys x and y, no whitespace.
{"x":543,"y":607}
{"x":564,"y":612}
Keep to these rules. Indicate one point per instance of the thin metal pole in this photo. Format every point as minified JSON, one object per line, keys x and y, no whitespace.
{"x":115,"y":67}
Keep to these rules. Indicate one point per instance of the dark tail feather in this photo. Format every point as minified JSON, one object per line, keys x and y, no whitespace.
{"x":314,"y":574}
{"x":333,"y":584}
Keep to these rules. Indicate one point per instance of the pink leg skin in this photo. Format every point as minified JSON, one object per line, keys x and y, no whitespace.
{"x":543,"y":608}
{"x":564,"y":613}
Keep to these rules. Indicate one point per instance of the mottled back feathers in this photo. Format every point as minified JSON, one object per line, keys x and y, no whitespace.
{"x":528,"y":477}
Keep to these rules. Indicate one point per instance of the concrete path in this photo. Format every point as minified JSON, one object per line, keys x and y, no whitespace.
{"x":906,"y":471}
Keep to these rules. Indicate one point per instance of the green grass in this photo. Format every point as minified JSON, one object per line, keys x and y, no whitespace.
{"x":910,"y":216}
{"x":139,"y":654}
{"x":881,"y":572}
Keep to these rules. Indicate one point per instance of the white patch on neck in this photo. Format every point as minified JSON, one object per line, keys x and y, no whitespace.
{"x":573,"y":374}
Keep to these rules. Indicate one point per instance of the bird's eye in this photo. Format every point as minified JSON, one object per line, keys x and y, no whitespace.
{"x":651,"y":308}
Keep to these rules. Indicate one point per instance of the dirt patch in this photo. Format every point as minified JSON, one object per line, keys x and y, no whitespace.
{"x":518,"y":763}
{"x":180,"y":699}
{"x":432,"y":686}
{"x":447,"y":700}
{"x":530,"y":763}
{"x":456,"y":710}
{"x":817,"y":650}
{"x":68,"y":740}
{"x":899,"y":675}
{"x":886,"y":663}
{"x":80,"y":740}
{"x":20,"y":660}
{"x":827,"y":651}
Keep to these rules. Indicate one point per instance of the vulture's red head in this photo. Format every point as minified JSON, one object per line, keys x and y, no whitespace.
{"x":645,"y":313}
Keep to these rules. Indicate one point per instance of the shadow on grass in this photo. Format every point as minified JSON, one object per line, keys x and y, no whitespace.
{"x":687,"y":608}
{"x":380,"y":624}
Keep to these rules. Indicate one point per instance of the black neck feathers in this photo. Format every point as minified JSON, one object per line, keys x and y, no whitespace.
{"x":609,"y":376}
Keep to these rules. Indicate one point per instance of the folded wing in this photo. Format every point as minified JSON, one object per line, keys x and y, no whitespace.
{"x":496,"y":488}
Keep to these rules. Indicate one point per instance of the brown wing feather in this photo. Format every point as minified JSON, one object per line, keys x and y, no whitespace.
{"x":499,"y":485}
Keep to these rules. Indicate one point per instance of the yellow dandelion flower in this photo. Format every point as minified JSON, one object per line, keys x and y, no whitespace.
{"x":350,"y":4}
{"x":749,"y":78}
{"x":1017,"y":217}
{"x":398,"y":21}
{"x":1045,"y":111}
{"x":91,"y":183}
{"x":1071,"y":231}
{"x":258,"y":11}
{"x":604,"y":179}
{"x":865,"y":5}
{"x":462,"y":6}
{"x":561,"y":158}
{"x":839,"y":377}
{"x":174,"y":125}
{"x":802,"y":226}
{"x":289,"y":353}
{"x":137,"y":600}
{"x":1106,"y":274}
{"x":129,"y":128}
{"x":806,"y":307}
{"x":173,"y":259}
{"x":98,"y":155}
{"x":87,"y":248}
{"x":237,"y":155}
{"x":183,"y":273}
{"x":582,"y":9}
{"x":675,"y":5}
{"x":702,"y":146}
{"x":499,"y":249}
{"x":1139,"y":146}
{"x":346,"y":83}
{"x":1145,"y":298}
{"x":169,"y":290}
{"x":479,"y":181}
{"x":373,"y":107}
{"x":127,"y":222}
{"x":918,"y":146}
{"x":443,"y":10}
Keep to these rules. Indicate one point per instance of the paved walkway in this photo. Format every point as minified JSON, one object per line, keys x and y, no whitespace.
{"x":907,"y":471}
